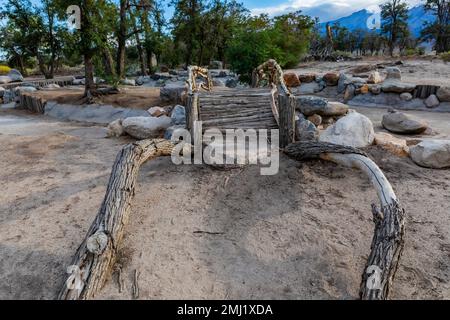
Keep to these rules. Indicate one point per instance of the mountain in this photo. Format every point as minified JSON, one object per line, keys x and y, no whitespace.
{"x":358,"y":20}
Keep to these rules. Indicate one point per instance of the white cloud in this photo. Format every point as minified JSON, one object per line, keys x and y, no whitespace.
{"x":325,"y":9}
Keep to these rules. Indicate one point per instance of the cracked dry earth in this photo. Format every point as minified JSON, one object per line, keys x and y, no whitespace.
{"x":201,"y":232}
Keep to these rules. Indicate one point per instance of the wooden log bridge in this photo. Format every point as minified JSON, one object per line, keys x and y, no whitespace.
{"x":268,"y":104}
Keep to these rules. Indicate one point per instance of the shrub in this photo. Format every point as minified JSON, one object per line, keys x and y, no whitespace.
{"x":4,"y":70}
{"x":445,"y":56}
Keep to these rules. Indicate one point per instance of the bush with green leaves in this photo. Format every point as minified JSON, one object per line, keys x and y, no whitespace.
{"x":284,"y":38}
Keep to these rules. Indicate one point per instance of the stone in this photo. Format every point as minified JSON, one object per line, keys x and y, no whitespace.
{"x":307,"y":78}
{"x":52,"y":86}
{"x":164,"y":68}
{"x":15,"y":75}
{"x":354,"y":130}
{"x":397,"y":86}
{"x":331,"y":78}
{"x":231,"y":83}
{"x":5,"y":79}
{"x":406,"y":96}
{"x":218,"y":83}
{"x":216,"y":64}
{"x":399,"y":122}
{"x":170,"y":130}
{"x":178,"y":115}
{"x":374,"y":78}
{"x":443,"y":94}
{"x":79,"y":82}
{"x":375,"y":89}
{"x":291,"y":79}
{"x":310,"y":105}
{"x":305,"y":130}
{"x":128,"y":82}
{"x":146,"y":127}
{"x":393,"y":73}
{"x":157,"y":111}
{"x":349,"y":92}
{"x":431,"y":153}
{"x":344,"y":81}
{"x":392,"y":144}
{"x":115,"y":128}
{"x":24,"y":89}
{"x":364,"y":89}
{"x":432,"y":101}
{"x":316,"y":119}
{"x":173,"y":92}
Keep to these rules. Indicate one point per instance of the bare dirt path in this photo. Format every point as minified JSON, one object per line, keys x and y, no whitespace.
{"x":199,"y":232}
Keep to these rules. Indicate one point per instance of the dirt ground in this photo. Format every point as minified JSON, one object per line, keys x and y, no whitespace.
{"x":415,"y":70}
{"x":200,"y":232}
{"x":129,"y":97}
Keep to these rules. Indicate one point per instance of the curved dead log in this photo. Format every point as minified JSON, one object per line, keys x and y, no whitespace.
{"x":95,"y":257}
{"x":388,"y":239}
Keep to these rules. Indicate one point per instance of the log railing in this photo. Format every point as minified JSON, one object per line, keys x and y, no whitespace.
{"x":193,"y":73}
{"x":282,"y":101}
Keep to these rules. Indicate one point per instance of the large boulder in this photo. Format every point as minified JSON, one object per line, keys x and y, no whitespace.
{"x":443,"y":94}
{"x":406,"y":96}
{"x":15,"y":75}
{"x":173,"y":92}
{"x":397,"y":86}
{"x":331,"y":78}
{"x":5,"y":79}
{"x":291,"y":79}
{"x":354,"y":130}
{"x":399,"y":122}
{"x":146,"y":127}
{"x":310,"y":105}
{"x":24,"y":89}
{"x":392,"y":144}
{"x":432,"y":153}
{"x":178,"y":115}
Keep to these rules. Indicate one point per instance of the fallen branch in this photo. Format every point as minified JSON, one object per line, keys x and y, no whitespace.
{"x":95,"y":258}
{"x":387,"y":241}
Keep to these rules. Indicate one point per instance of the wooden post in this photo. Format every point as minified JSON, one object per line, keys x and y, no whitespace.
{"x":286,"y":109}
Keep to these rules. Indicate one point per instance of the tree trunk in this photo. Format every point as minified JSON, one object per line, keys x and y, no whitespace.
{"x":89,"y":85}
{"x":388,"y":238}
{"x":95,"y":258}
{"x":121,"y":40}
{"x":109,"y":63}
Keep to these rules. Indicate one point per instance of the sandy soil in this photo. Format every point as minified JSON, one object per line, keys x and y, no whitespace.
{"x":129,"y":97}
{"x":414,"y":70}
{"x":200,"y":232}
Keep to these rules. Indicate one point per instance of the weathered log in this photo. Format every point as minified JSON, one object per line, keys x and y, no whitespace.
{"x":94,"y":259}
{"x":388,"y":238}
{"x":286,"y":110}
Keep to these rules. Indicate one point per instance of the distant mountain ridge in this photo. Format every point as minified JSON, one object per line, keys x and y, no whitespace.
{"x":358,"y":20}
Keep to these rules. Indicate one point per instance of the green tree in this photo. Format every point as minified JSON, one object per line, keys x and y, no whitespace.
{"x":439,"y":30}
{"x":394,"y":16}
